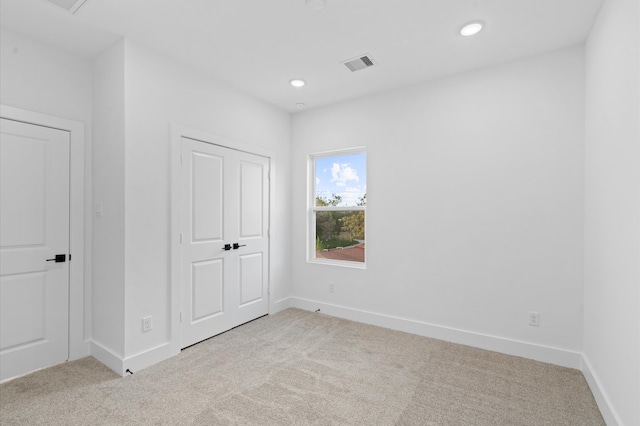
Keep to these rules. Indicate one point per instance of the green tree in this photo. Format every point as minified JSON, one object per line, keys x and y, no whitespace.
{"x":354,"y":224}
{"x":328,"y":224}
{"x":335,"y":200}
{"x":331,"y":224}
{"x":354,"y":221}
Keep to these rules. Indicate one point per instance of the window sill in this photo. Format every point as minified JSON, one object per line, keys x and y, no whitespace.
{"x":341,"y":263}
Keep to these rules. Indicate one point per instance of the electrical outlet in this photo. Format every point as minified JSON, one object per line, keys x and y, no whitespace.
{"x":534,"y":318}
{"x":332,"y":287}
{"x":147,"y":324}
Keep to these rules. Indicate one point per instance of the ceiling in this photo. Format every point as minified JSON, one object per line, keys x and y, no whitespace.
{"x":257,"y":46}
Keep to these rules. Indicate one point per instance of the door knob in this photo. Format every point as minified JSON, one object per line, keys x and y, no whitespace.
{"x":236,"y":246}
{"x":59,"y":258}
{"x":226,"y":247}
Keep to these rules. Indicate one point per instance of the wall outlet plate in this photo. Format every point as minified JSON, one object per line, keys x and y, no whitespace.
{"x":534,"y":318}
{"x":147,"y":324}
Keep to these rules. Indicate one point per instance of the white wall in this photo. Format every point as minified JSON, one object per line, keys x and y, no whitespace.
{"x":612,"y":211}
{"x":45,"y":79}
{"x":109,"y":192}
{"x":159,"y":92}
{"x":474,"y":207}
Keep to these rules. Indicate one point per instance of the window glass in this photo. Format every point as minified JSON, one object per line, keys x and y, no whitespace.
{"x":339,"y":207}
{"x":341,"y":180}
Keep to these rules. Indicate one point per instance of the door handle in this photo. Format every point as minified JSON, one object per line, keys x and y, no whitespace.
{"x":59,"y":258}
{"x":226,"y":247}
{"x":236,"y":246}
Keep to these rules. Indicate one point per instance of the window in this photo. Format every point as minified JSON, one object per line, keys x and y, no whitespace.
{"x":338,"y":182}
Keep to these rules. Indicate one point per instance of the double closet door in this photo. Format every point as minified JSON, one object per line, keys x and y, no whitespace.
{"x":225,"y":242}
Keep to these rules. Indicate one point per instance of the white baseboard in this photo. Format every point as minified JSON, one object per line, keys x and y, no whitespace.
{"x":107,"y":357}
{"x":609,"y":414}
{"x":280,"y":305}
{"x":149,"y":357}
{"x":557,"y":356}
{"x":135,"y":362}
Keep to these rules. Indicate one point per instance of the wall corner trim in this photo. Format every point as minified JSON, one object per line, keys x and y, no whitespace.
{"x":557,"y":356}
{"x":609,"y":414}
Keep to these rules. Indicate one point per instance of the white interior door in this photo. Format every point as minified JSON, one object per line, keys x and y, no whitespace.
{"x":34,"y":228}
{"x":225,"y":245}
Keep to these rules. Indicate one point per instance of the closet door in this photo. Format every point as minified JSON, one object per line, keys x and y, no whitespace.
{"x":225,"y":244}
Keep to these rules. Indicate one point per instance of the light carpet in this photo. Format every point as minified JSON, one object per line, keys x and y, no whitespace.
{"x":302,"y":368}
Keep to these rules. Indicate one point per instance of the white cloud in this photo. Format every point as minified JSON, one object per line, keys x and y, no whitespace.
{"x":350,"y":198}
{"x":317,"y":180}
{"x":343,"y":173}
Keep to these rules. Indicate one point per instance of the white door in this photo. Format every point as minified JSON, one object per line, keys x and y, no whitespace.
{"x":34,"y":228}
{"x":225,"y":244}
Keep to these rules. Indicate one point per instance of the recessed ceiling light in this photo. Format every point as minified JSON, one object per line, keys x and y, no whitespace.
{"x":296,"y":82}
{"x":299,"y":105}
{"x":471,"y":29}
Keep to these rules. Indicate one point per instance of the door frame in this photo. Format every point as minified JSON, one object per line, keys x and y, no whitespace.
{"x":79,"y":292}
{"x":176,"y":197}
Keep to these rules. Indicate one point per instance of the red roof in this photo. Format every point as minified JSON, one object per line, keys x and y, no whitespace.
{"x":353,"y":254}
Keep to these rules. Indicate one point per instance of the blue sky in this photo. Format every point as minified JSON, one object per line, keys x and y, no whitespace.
{"x":345,"y":175}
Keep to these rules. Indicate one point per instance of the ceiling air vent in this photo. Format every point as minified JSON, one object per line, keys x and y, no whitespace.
{"x":359,"y":63}
{"x":71,"y":5}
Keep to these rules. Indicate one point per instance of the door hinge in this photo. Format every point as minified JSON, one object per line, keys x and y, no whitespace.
{"x":69,"y":257}
{"x":181,"y":238}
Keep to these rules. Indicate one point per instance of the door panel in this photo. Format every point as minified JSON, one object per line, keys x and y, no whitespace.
{"x":26,"y":325}
{"x":23,"y":205}
{"x":251,"y":279}
{"x":206,"y":183}
{"x":207,"y":295}
{"x":34,"y":227}
{"x":228,"y":193}
{"x":251,"y":202}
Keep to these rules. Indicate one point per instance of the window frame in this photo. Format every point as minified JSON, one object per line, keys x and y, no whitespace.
{"x":312,"y":209}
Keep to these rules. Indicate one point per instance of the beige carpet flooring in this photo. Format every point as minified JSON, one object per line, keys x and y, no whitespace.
{"x":302,"y":368}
